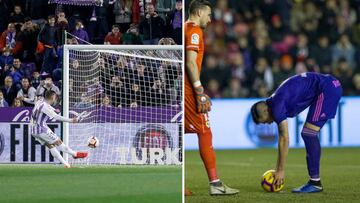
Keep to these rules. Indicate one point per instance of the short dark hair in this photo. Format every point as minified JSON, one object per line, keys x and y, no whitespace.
{"x":115,"y":26}
{"x":27,"y":19}
{"x":254,"y":112}
{"x":49,"y":93}
{"x":198,"y":4}
{"x":51,"y":16}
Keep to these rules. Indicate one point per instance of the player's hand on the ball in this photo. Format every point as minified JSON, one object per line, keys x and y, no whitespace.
{"x":279,"y":177}
{"x":203,"y":101}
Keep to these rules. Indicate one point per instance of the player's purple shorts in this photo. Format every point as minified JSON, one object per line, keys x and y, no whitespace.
{"x":326,"y":103}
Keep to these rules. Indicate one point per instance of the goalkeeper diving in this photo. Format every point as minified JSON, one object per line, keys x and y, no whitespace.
{"x":41,"y":113}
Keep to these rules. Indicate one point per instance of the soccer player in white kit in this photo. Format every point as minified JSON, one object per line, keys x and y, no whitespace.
{"x":42,"y":112}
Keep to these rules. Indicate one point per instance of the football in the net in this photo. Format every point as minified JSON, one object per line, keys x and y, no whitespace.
{"x":93,"y":142}
{"x":267,"y":181}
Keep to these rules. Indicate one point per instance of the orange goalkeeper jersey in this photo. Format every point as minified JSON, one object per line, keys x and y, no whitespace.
{"x":193,"y":41}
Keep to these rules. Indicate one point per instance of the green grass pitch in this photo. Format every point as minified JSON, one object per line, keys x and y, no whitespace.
{"x":89,"y":184}
{"x":242,"y":169}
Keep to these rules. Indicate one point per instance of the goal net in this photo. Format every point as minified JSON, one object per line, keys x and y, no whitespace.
{"x":129,"y":97}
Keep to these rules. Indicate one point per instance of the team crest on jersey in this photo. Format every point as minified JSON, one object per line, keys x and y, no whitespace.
{"x":194,"y":38}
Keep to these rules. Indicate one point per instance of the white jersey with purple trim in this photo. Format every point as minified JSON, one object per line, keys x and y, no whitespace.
{"x":41,"y":113}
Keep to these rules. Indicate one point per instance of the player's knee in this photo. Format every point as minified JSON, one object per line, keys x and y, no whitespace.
{"x":50,"y":146}
{"x":309,"y":132}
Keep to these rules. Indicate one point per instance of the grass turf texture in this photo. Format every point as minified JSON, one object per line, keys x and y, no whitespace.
{"x":52,"y":184}
{"x":242,"y":169}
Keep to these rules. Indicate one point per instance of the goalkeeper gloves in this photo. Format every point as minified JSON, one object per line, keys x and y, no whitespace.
{"x":203,"y":102}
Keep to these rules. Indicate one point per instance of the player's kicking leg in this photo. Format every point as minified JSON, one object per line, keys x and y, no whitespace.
{"x":52,"y":141}
{"x":313,"y":151}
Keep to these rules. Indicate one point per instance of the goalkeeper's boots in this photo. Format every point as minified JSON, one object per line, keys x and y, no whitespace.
{"x":219,"y":188}
{"x":81,"y":155}
{"x":310,"y":187}
{"x":67,"y":166}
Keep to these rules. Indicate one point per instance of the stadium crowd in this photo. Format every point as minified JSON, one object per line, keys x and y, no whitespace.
{"x":252,"y":46}
{"x":32,"y":35}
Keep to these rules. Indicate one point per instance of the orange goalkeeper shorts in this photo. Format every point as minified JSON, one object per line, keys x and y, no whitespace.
{"x":194,"y":122}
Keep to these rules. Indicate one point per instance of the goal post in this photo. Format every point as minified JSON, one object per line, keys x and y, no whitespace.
{"x":130,"y":98}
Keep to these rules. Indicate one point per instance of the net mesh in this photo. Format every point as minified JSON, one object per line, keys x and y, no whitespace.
{"x":130,"y":100}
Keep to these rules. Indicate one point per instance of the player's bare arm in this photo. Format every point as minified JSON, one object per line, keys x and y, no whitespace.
{"x":202,"y":100}
{"x":283,"y":149}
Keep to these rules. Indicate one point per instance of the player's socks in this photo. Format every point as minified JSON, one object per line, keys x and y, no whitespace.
{"x":313,"y":151}
{"x":207,"y":154}
{"x":56,"y":154}
{"x":316,"y":183}
{"x":67,"y":149}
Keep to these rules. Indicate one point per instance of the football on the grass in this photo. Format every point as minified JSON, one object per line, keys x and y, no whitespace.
{"x":267,"y":181}
{"x":93,"y":142}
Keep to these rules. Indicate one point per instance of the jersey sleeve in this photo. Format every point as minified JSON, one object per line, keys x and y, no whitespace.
{"x":51,"y":113}
{"x":278,"y":109}
{"x":193,"y":39}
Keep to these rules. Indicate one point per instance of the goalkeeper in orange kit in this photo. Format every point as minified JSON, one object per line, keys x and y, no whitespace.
{"x":197,"y":103}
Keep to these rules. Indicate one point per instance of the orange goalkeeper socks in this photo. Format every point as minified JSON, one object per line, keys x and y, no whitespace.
{"x":207,"y":154}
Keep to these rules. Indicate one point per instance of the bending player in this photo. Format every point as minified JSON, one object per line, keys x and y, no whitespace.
{"x":322,"y":93}
{"x":42,"y":112}
{"x":197,"y":103}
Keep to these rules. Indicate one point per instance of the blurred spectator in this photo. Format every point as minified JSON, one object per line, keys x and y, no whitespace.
{"x":9,"y":39}
{"x":48,"y":36}
{"x":286,"y":70}
{"x":262,"y":49}
{"x":6,"y":58}
{"x":80,"y":33}
{"x":113,"y":37}
{"x":343,"y":73}
{"x":17,"y":103}
{"x":163,"y":7}
{"x":152,"y":26}
{"x":35,"y":79}
{"x":115,"y":91}
{"x":3,"y":102}
{"x":135,"y":95}
{"x":133,"y":104}
{"x":9,"y":90}
{"x":235,"y":89}
{"x":83,"y":103}
{"x":174,"y":22}
{"x":277,"y":29}
{"x":27,"y":93}
{"x":301,"y":51}
{"x":213,"y":89}
{"x":45,"y":85}
{"x":17,"y":17}
{"x":15,"y":72}
{"x":158,"y":94}
{"x":62,"y":25}
{"x":132,"y":36}
{"x":344,"y":49}
{"x":123,"y":11}
{"x":106,"y":102}
{"x":322,"y":54}
{"x":4,"y":15}
{"x":28,"y":40}
{"x":262,"y":75}
{"x":356,"y":84}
